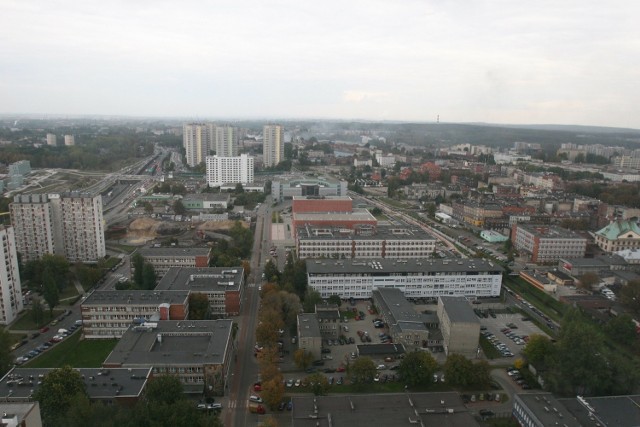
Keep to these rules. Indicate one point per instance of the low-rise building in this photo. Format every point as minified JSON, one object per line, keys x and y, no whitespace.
{"x":206,"y":201}
{"x":198,"y":352}
{"x":109,"y":314}
{"x":601,"y":265}
{"x":459,"y":325}
{"x":416,"y":278}
{"x":223,"y":286}
{"x":542,"y":410}
{"x":309,"y":335}
{"x":493,"y":236}
{"x":164,"y":258}
{"x":328,"y":316}
{"x":287,"y":188}
{"x":20,"y":414}
{"x":406,"y":326}
{"x":618,"y":236}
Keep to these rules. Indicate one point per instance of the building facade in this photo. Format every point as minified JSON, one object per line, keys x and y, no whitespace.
{"x":416,"y":278}
{"x":51,"y":139}
{"x":196,"y":139}
{"x":459,"y":325}
{"x":163,"y":259}
{"x":226,"y":141}
{"x":282,"y":189}
{"x":32,"y":220}
{"x":618,"y":236}
{"x":11,"y":302}
{"x":273,"y":145}
{"x":224,"y":170}
{"x":547,"y":243}
{"x":69,"y":140}
{"x":309,"y":335}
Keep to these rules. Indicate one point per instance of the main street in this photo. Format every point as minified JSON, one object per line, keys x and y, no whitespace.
{"x":245,"y":371}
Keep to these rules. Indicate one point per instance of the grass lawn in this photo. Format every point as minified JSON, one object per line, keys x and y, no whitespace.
{"x":25,"y":321}
{"x":125,"y":249}
{"x":75,"y":353}
{"x":545,"y":303}
{"x":69,"y":293}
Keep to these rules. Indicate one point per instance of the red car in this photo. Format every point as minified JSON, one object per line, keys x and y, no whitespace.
{"x":43,"y":330}
{"x":257,"y":387}
{"x":340,"y":369}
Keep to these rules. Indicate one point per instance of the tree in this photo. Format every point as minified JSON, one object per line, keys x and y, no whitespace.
{"x":137,"y":262}
{"x":311,"y":298}
{"x":164,"y":389}
{"x":148,"y":207}
{"x":50,"y":290}
{"x":273,"y":391}
{"x":37,"y":312}
{"x":178,"y":208}
{"x":630,"y":296}
{"x":539,"y":350}
{"x":239,"y":188}
{"x":59,"y":388}
{"x":319,"y":384}
{"x":622,"y":329}
{"x":335,"y":299}
{"x":148,"y":276}
{"x":362,"y":370}
{"x":269,"y":422}
{"x":5,"y":352}
{"x":246,"y":266}
{"x":588,"y":280}
{"x":458,"y":370}
{"x":302,"y":358}
{"x":271,"y":272}
{"x":199,"y":307}
{"x":417,"y":368}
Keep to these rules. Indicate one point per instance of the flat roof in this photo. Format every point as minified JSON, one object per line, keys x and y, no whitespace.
{"x":209,"y":197}
{"x":400,"y":231}
{"x":355,"y":215}
{"x":206,"y":279}
{"x":18,"y":383}
{"x":393,"y":303}
{"x":388,"y":409}
{"x":136,"y":296}
{"x":172,"y":251}
{"x":554,"y":414}
{"x":599,"y":261}
{"x":345,"y":198}
{"x":380,"y":349}
{"x":383,"y":265}
{"x":551,"y":232}
{"x":184,"y":342}
{"x":609,"y":411}
{"x":458,"y":309}
{"x":308,"y":326}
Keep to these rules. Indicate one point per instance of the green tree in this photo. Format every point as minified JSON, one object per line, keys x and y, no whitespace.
{"x":199,"y":307}
{"x":137,"y":262}
{"x":148,"y":207}
{"x":458,"y":370}
{"x":630,"y":296}
{"x":5,"y":352}
{"x":319,"y":384}
{"x":302,"y":358}
{"x":148,"y":276}
{"x":539,"y":350}
{"x":164,"y":389}
{"x":335,"y":299}
{"x":59,"y":388}
{"x":417,"y":368}
{"x":273,"y":391}
{"x":622,"y":329}
{"x":179,"y":208}
{"x":311,"y":298}
{"x":37,"y":312}
{"x":362,"y":370}
{"x":50,"y":290}
{"x":271,"y":272}
{"x":588,"y":280}
{"x":239,"y":188}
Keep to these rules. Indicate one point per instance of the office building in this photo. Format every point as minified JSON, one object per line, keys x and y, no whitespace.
{"x":406,"y":325}
{"x":69,"y":140}
{"x":273,"y":145}
{"x":198,"y":352}
{"x":196,"y":139}
{"x":67,"y":224}
{"x":545,"y":243}
{"x":416,"y":278}
{"x":459,"y":325}
{"x":618,"y":235}
{"x":33,"y":222}
{"x":225,"y":141}
{"x":282,"y":189}
{"x":163,"y":259}
{"x":226,"y":170}
{"x":51,"y":139}
{"x":309,"y":335}
{"x":10,"y":289}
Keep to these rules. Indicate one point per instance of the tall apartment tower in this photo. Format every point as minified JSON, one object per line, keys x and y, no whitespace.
{"x":273,"y":145}
{"x":33,"y":225}
{"x":69,"y":140}
{"x":227,"y":170}
{"x":11,"y":302}
{"x":51,"y":139}
{"x":196,"y":139}
{"x":67,"y":224}
{"x":226,"y":141}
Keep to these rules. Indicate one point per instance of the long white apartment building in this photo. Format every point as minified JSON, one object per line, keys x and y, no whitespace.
{"x":273,"y":145}
{"x":68,"y":224}
{"x":416,"y":278}
{"x":32,"y":221}
{"x":389,"y":242}
{"x":196,"y":139}
{"x":225,"y":170}
{"x":10,"y":289}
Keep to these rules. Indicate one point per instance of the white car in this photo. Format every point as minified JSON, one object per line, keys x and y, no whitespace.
{"x":254,"y":398}
{"x":297,"y":384}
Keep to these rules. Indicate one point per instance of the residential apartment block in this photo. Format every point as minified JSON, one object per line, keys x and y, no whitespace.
{"x":11,"y":302}
{"x":547,"y":243}
{"x":415,"y":277}
{"x":225,"y":170}
{"x":68,"y":224}
{"x":108,"y":314}
{"x":224,"y":287}
{"x":392,"y":242}
{"x":164,"y":258}
{"x":196,"y":140}
{"x":273,"y":145}
{"x":225,"y":141}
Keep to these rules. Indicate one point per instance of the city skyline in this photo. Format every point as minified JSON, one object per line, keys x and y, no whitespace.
{"x":504,"y":63}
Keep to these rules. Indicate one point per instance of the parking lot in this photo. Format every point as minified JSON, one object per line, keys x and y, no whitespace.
{"x":516,"y":328}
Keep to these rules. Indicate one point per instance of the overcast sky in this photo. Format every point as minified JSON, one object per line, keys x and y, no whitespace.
{"x":500,"y":61}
